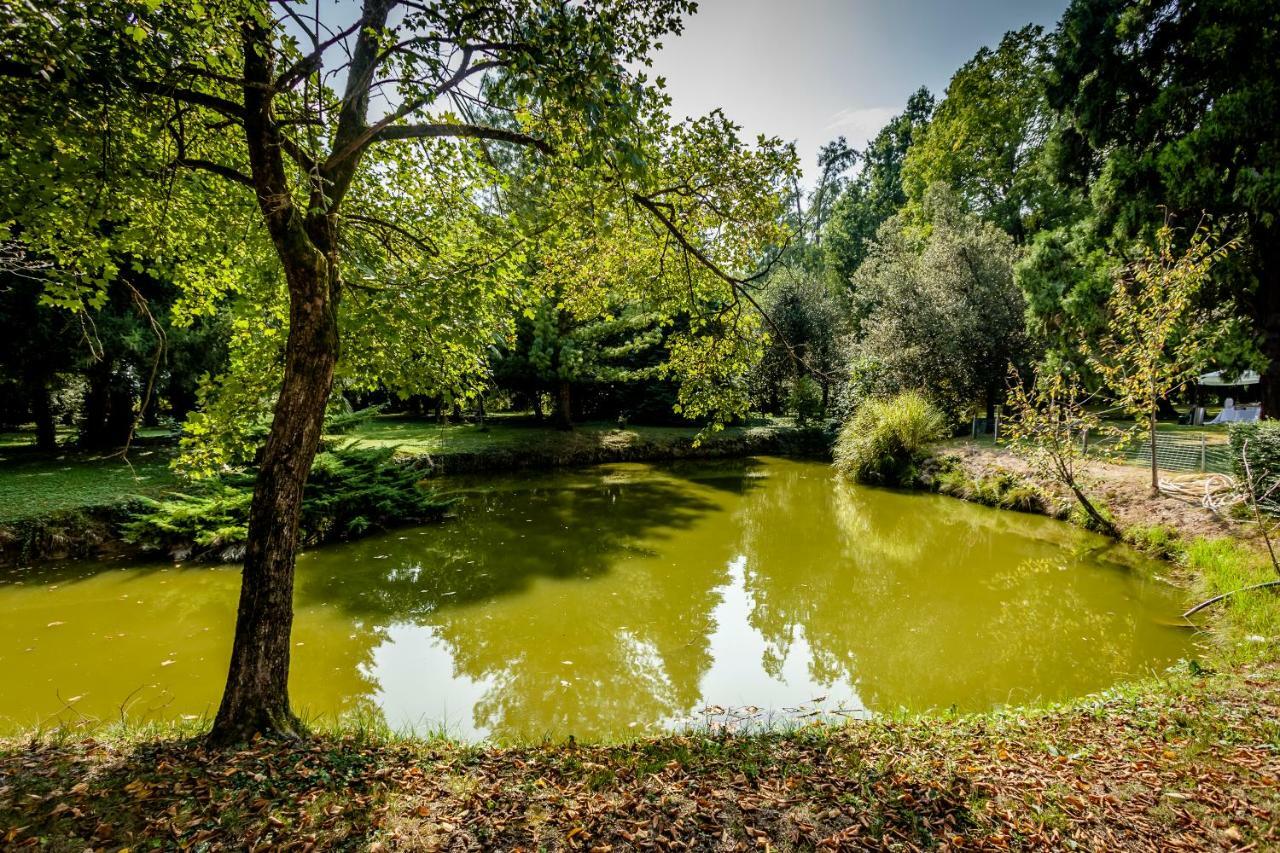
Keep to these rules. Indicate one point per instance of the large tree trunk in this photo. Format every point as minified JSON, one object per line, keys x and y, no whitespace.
{"x":564,"y":404}
{"x":256,"y":698}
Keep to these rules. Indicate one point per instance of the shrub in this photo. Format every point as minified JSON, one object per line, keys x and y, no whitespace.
{"x":213,"y":521}
{"x":885,"y":440}
{"x":348,"y":421}
{"x":806,"y":399}
{"x":351,"y":491}
{"x":1261,"y":442}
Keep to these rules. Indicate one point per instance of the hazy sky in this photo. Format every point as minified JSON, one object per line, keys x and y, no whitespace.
{"x":810,"y":70}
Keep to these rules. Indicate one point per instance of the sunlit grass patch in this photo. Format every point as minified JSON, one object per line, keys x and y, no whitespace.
{"x":1248,"y":622}
{"x":36,"y":484}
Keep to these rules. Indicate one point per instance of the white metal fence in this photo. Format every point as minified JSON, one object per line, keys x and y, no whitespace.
{"x":1185,"y":453}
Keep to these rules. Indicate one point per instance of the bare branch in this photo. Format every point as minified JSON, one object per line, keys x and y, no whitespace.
{"x":309,"y":63}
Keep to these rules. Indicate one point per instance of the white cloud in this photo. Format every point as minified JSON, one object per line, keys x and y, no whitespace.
{"x":860,"y":125}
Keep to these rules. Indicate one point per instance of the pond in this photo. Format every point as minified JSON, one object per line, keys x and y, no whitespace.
{"x":620,"y":600}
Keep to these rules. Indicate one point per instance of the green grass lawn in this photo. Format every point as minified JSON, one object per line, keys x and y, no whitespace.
{"x":33,"y":483}
{"x":512,"y":432}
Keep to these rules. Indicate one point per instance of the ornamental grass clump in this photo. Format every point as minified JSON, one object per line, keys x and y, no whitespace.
{"x":884,"y":443}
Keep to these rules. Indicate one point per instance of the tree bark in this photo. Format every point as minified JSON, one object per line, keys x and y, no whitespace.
{"x":564,"y":405}
{"x":256,"y":697}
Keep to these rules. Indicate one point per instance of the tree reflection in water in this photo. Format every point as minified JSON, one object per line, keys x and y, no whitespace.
{"x":923,"y":601}
{"x":563,"y":600}
{"x":609,"y":601}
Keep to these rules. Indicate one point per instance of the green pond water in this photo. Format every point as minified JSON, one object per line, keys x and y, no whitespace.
{"x":619,"y":600}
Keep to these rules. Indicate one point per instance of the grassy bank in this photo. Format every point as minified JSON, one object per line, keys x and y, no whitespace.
{"x":70,"y":504}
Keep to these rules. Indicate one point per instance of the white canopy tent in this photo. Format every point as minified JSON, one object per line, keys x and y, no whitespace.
{"x":1216,"y":380}
{"x":1231,"y":413}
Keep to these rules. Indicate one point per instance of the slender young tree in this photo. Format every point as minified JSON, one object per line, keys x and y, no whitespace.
{"x":1154,"y":341}
{"x":1047,"y":425}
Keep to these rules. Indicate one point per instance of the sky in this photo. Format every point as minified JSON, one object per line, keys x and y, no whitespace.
{"x":811,"y":70}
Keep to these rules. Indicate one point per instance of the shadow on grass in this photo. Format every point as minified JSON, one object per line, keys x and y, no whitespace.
{"x":177,"y":793}
{"x":797,"y":791}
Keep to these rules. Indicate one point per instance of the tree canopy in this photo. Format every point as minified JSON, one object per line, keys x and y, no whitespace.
{"x":1171,"y":108}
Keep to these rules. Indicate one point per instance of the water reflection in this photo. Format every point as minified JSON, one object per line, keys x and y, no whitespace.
{"x":925,"y":602}
{"x":612,"y":601}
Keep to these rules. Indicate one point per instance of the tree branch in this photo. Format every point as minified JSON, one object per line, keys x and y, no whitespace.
{"x":309,"y":63}
{"x":462,"y":131}
{"x":422,"y":243}
{"x":738,"y":285}
{"x":373,"y":133}
{"x":190,"y":96}
{"x":216,"y":168}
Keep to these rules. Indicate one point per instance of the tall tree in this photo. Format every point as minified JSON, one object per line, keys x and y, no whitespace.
{"x":1174,"y":105}
{"x":560,"y":350}
{"x":36,"y":344}
{"x":241,"y":93}
{"x":1155,"y":341}
{"x":876,"y":193}
{"x":803,"y":344}
{"x":986,"y":138}
{"x":938,"y":309}
{"x":834,"y":160}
